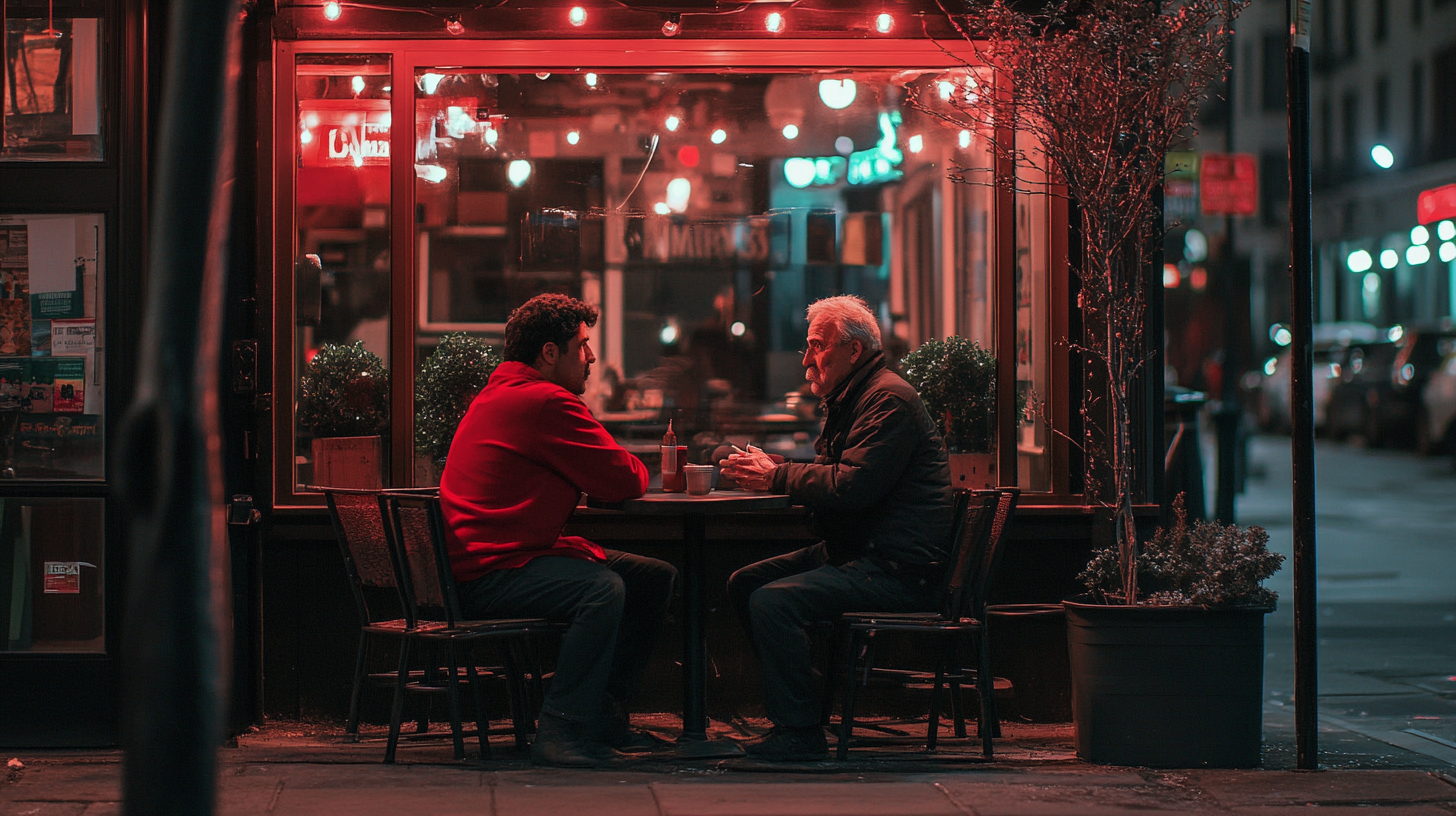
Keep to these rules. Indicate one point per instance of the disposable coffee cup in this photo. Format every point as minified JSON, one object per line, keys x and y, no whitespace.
{"x":700,"y":479}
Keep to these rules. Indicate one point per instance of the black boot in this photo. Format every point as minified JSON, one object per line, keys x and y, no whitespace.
{"x":785,"y":744}
{"x":560,"y":743}
{"x":614,"y":730}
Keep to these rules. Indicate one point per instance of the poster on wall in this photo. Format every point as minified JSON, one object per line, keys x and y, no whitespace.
{"x":15,"y":251}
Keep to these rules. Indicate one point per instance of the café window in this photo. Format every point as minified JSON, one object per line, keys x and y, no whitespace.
{"x":50,"y":106}
{"x":700,"y":210}
{"x":52,"y":571}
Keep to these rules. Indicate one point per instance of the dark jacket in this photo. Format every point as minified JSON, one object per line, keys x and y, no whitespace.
{"x":879,"y":487}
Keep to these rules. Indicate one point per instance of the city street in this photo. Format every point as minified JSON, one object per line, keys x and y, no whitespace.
{"x":1387,"y":600}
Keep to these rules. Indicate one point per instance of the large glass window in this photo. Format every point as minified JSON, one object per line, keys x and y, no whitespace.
{"x":341,"y":273}
{"x":52,"y":571}
{"x":52,"y":372}
{"x":50,"y":105}
{"x":702,"y":213}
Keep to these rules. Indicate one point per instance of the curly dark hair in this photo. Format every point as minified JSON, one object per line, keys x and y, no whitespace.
{"x":545,"y":319}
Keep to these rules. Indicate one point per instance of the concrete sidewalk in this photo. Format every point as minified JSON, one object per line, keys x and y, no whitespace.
{"x":303,"y":769}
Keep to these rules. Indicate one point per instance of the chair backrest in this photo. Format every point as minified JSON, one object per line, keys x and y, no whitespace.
{"x":368,"y":557}
{"x":969,"y":531}
{"x":1003,"y":508}
{"x":417,"y":533}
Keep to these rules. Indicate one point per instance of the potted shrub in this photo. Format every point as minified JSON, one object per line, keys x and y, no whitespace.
{"x":1176,"y":678}
{"x":956,"y":379}
{"x":451,"y":377}
{"x":343,"y":402}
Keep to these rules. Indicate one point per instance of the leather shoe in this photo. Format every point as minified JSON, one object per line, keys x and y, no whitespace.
{"x":785,"y":744}
{"x":559,"y":743}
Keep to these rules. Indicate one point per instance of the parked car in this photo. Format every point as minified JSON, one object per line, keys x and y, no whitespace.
{"x":1383,"y":400}
{"x":1331,"y":341}
{"x":1436,"y":423}
{"x":1364,"y":382}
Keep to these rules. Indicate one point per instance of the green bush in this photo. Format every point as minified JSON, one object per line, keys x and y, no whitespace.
{"x":447,"y":383}
{"x":956,"y":379}
{"x":344,"y":391}
{"x":1207,"y":564}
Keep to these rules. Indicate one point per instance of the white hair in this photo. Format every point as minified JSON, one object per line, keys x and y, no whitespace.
{"x":851,"y":317}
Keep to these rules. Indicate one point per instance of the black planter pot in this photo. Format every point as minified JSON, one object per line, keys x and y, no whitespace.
{"x":1167,"y":687}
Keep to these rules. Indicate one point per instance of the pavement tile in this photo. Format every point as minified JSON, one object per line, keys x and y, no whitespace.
{"x":1088,"y":799}
{"x":42,"y":808}
{"x":1080,"y":777}
{"x":1234,"y":789}
{"x":1350,"y":810}
{"x":533,"y":800}
{"x":804,"y":799}
{"x":472,"y":801}
{"x":89,"y":782}
{"x":103,"y":809}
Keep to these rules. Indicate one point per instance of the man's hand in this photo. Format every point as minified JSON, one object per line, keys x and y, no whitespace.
{"x":751,"y":469}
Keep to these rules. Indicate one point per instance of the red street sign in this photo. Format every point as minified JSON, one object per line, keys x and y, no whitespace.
{"x":1437,"y":204}
{"x":1228,"y":184}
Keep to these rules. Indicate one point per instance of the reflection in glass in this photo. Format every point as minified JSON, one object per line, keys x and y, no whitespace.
{"x":51,"y":104}
{"x":702,"y":213}
{"x":342,"y":265}
{"x":52,"y":575}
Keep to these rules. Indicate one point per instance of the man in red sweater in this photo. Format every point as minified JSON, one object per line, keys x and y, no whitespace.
{"x":523,"y":455}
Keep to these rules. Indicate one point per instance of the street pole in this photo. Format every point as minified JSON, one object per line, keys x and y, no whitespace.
{"x":1301,"y":399}
{"x":175,"y":670}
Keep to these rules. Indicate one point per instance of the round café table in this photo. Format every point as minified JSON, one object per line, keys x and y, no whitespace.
{"x":694,"y":511}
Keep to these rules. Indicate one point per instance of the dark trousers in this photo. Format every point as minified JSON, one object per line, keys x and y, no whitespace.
{"x":780,"y":598}
{"x":614,"y":611}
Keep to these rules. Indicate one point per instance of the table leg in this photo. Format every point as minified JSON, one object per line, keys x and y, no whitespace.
{"x":695,"y":742}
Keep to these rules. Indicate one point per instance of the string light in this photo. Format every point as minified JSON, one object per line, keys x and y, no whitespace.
{"x":572,"y":137}
{"x":332,"y":11}
{"x":719,"y":136}
{"x":791,"y":131}
{"x":672,"y":123}
{"x":965,"y":139}
{"x":884,"y":23}
{"x":577,"y":16}
{"x":591,"y":80}
{"x":454,"y":25}
{"x":774,"y":22}
{"x":917,"y":143}
{"x":357,"y":83}
{"x":672,"y":25}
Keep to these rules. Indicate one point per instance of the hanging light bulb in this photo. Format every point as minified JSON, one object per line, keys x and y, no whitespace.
{"x":774,"y":22}
{"x":577,"y":16}
{"x":591,"y":80}
{"x":518,"y":171}
{"x":965,"y":139}
{"x":791,"y":131}
{"x":491,"y":136}
{"x":884,"y":23}
{"x":357,"y":83}
{"x":672,"y":123}
{"x":454,"y":25}
{"x":917,"y":143}
{"x":719,"y":136}
{"x":838,"y":94}
{"x":332,"y":11}
{"x":572,"y":137}
{"x":672,"y":25}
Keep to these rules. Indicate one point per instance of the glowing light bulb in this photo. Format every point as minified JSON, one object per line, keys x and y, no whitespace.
{"x":1359,"y":261}
{"x":774,"y":22}
{"x":572,"y":137}
{"x":305,"y":137}
{"x":1446,"y":230}
{"x":491,"y":136}
{"x":791,"y":131}
{"x":884,"y":23}
{"x":1420,"y":235}
{"x":964,"y":140}
{"x":679,"y":190}
{"x":1389,"y":258}
{"x":1417,"y":255}
{"x":1447,"y":252}
{"x":844,"y":145}
{"x":719,"y":136}
{"x":671,"y":26}
{"x":429,"y":82}
{"x":945,"y":89}
{"x":799,"y":172}
{"x":1382,"y":156}
{"x":661,"y":208}
{"x":838,"y":94}
{"x":357,"y":83}
{"x":917,"y":143}
{"x":738,"y":328}
{"x":332,"y":11}
{"x":543,"y":74}
{"x":591,"y":80}
{"x":518,"y":171}
{"x":454,"y":25}
{"x":577,"y":15}
{"x":672,"y":123}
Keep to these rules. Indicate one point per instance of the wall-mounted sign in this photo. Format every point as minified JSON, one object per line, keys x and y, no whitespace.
{"x":1436,"y":205}
{"x":1228,"y":184}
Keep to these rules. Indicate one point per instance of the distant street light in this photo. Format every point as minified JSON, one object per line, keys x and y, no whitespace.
{"x":1383,"y":158}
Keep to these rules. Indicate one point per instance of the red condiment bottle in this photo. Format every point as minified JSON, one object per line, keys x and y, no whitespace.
{"x":672,"y":467}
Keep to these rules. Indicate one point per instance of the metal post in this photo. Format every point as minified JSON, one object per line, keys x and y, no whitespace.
{"x":168,"y":458}
{"x":1301,"y":399}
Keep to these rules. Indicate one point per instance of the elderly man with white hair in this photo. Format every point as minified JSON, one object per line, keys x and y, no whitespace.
{"x":879,"y":491}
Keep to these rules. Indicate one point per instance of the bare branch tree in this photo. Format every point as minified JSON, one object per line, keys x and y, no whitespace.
{"x":1104,"y":88}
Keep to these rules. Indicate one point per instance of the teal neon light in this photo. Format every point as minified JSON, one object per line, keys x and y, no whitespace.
{"x":871,"y":166}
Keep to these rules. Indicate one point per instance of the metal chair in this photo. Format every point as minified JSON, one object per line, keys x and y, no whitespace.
{"x":373,"y":578}
{"x":981,"y":520}
{"x":416,"y":531}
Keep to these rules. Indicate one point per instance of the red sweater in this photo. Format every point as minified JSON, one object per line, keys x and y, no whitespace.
{"x":523,"y":455}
